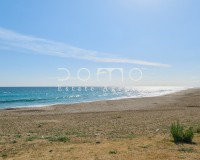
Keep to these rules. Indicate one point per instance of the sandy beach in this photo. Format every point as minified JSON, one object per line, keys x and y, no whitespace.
{"x":135,"y":128}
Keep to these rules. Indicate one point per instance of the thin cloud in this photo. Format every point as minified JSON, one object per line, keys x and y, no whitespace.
{"x":11,"y":40}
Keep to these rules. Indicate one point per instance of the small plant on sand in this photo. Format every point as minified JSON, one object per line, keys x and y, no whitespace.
{"x":131,"y":136}
{"x":39,"y":125}
{"x":187,"y":150}
{"x":31,"y":138}
{"x":181,"y":135}
{"x":18,"y":135}
{"x":58,"y":139}
{"x":76,"y":132}
{"x":113,"y":152}
{"x":14,"y":141}
{"x":4,"y":154}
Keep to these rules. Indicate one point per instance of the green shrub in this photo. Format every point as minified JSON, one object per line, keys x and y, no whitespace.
{"x":179,"y":134}
{"x":188,"y":135}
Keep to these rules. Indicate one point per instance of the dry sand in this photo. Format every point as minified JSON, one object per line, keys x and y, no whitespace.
{"x":105,"y":130}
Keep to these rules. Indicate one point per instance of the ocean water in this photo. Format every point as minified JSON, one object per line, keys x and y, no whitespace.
{"x":14,"y":97}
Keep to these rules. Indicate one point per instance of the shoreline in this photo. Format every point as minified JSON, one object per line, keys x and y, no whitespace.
{"x":93,"y":101}
{"x":139,"y":103}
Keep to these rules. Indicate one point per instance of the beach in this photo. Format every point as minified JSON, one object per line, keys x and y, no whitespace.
{"x":133,"y":128}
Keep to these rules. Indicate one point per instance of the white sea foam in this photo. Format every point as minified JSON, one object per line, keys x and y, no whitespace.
{"x":150,"y":91}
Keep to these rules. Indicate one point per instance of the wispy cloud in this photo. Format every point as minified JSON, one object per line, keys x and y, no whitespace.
{"x":11,"y":40}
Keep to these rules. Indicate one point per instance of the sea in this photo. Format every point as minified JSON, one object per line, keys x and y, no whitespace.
{"x":16,"y":97}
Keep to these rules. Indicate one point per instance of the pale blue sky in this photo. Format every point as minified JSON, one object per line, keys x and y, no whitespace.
{"x":161,"y":37}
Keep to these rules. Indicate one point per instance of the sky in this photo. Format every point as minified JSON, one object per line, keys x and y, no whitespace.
{"x":156,"y":42}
